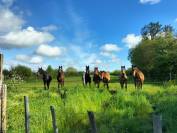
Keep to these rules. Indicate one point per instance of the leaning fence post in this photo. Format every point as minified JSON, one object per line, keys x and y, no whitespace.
{"x":157,"y":123}
{"x":27,"y":115}
{"x":92,"y":121}
{"x":54,"y":119}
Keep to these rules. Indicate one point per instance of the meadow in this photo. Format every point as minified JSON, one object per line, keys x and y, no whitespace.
{"x":124,"y":112}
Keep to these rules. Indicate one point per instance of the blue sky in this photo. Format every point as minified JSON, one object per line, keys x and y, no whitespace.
{"x":77,"y":32}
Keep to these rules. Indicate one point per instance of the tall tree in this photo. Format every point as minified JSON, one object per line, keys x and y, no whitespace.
{"x":151,"y":30}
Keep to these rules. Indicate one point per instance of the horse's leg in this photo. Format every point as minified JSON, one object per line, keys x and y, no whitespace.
{"x":44,"y":85}
{"x":141,"y":85}
{"x":107,"y":85}
{"x":122,"y":85}
{"x":126,"y":84}
{"x":135,"y":83}
{"x":63,"y":83}
{"x":48,"y":84}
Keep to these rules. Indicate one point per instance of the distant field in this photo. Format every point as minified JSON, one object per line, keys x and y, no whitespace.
{"x":125,"y":112}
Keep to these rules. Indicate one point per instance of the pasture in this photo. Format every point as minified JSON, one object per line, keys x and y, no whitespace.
{"x":124,"y":112}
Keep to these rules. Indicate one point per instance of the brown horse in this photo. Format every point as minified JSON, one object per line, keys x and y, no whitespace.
{"x":138,"y":77}
{"x":123,"y":78}
{"x":60,"y":77}
{"x":105,"y":76}
{"x":96,"y":77}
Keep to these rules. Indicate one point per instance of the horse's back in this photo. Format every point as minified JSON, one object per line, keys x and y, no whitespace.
{"x":107,"y":76}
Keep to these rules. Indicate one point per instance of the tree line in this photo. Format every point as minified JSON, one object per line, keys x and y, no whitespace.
{"x":156,"y":54}
{"x":26,"y":73}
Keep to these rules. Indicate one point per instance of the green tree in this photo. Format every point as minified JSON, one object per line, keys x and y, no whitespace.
{"x":22,"y":71}
{"x":151,"y":30}
{"x":156,"y":57}
{"x":71,"y":71}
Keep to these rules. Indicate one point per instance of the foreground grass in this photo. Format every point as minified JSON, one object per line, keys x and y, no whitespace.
{"x":126,"y":111}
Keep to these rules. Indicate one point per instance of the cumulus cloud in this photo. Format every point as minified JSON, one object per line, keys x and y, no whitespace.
{"x":25,"y":38}
{"x":49,"y":28}
{"x":131,"y":40}
{"x":149,"y":1}
{"x":50,"y":51}
{"x":9,"y":21}
{"x":109,"y":49}
{"x":29,"y":59}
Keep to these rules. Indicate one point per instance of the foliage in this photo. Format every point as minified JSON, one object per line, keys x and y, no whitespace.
{"x":22,"y":71}
{"x":71,"y":71}
{"x":14,"y":81}
{"x":156,"y":57}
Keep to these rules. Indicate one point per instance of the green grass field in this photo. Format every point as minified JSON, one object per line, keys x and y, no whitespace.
{"x":124,"y":112}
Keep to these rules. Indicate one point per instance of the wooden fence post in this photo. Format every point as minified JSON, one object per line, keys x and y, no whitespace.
{"x":3,"y":98}
{"x":157,"y":123}
{"x":92,"y":121}
{"x":54,"y":119}
{"x":27,"y":115}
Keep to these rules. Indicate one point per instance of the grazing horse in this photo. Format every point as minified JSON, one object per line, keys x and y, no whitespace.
{"x":96,"y":77}
{"x":87,"y":78}
{"x":46,"y":77}
{"x":60,"y":77}
{"x":123,"y":78}
{"x":105,"y":76}
{"x":138,"y":77}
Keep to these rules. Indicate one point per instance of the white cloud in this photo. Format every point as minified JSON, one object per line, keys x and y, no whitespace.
{"x":50,"y":51}
{"x":131,"y":40}
{"x":110,"y":48}
{"x":25,"y":38}
{"x":49,"y":28}
{"x":149,"y":1}
{"x":29,"y":59}
{"x":9,"y":21}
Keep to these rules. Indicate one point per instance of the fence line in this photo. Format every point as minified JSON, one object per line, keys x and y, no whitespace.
{"x":156,"y":120}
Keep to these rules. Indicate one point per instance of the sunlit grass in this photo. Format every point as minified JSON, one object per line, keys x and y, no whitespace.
{"x":125,"y":111}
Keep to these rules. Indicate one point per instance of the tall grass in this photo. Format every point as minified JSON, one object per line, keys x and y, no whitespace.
{"x":126,"y":111}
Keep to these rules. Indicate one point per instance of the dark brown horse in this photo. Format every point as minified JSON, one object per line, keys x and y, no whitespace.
{"x":123,"y":78}
{"x":96,"y":77}
{"x":105,"y":76}
{"x":138,"y":77}
{"x":86,"y":77}
{"x":46,"y":77}
{"x":60,"y":77}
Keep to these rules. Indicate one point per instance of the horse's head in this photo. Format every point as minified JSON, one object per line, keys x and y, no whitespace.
{"x":96,"y":70}
{"x":40,"y":71}
{"x":60,"y":69}
{"x":102,"y":74}
{"x":134,"y":70}
{"x":87,"y":69}
{"x":123,"y":70}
